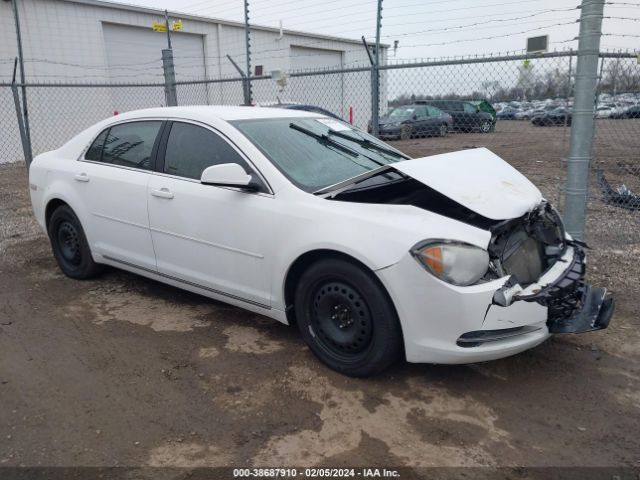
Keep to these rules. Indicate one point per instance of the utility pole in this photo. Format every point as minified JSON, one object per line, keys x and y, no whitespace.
{"x":375,"y":100}
{"x":170,"y":90}
{"x":247,"y":39}
{"x":23,"y":88}
{"x":582,"y":129}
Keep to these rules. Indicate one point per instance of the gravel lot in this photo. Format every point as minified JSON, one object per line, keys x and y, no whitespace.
{"x":121,"y":370}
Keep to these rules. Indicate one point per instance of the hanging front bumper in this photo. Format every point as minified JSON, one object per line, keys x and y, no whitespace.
{"x":573,"y":305}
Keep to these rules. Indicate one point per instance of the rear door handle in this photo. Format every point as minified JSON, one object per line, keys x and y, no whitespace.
{"x":162,"y":193}
{"x":81,"y":177}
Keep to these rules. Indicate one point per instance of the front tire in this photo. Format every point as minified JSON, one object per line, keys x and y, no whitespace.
{"x":444,"y":129}
{"x":405,"y":132}
{"x":69,"y":244}
{"x":347,"y":319}
{"x":485,"y":126}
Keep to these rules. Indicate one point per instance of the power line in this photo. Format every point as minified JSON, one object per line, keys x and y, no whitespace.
{"x":493,"y":36}
{"x":470,"y":25}
{"x":413,"y":15}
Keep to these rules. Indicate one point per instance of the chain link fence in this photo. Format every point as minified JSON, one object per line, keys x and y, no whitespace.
{"x":613,"y":215}
{"x":10,"y":143}
{"x":517,"y":106}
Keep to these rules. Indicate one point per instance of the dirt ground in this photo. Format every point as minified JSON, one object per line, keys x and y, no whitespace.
{"x":122,"y":370}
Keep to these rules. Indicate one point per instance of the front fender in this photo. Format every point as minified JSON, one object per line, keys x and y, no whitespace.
{"x":375,"y":235}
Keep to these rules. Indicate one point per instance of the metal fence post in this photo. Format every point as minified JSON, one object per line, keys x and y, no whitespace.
{"x":246,"y":91}
{"x":170,"y":92}
{"x":375,"y":91}
{"x":582,"y":129}
{"x":247,"y":38}
{"x":25,"y":109}
{"x":24,"y":138}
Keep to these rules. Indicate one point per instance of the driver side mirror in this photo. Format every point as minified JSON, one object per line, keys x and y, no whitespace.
{"x":228,"y":175}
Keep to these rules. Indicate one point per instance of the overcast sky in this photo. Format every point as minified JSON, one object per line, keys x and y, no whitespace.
{"x":431,"y":28}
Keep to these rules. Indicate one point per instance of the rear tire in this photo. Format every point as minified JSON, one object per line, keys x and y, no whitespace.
{"x":444,"y":129}
{"x":69,"y":244}
{"x":347,"y":319}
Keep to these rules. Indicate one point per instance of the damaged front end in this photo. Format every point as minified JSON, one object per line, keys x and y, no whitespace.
{"x":547,"y":268}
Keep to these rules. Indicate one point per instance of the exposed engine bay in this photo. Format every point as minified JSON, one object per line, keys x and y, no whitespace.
{"x":526,"y":247}
{"x":522,"y":249}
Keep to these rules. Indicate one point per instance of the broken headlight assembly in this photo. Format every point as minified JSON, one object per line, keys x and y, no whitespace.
{"x":453,"y":262}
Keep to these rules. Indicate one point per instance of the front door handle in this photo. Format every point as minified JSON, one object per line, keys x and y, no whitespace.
{"x":81,"y":177}
{"x":162,"y":193}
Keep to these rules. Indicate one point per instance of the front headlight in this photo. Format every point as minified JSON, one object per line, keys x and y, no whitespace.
{"x":454,"y":262}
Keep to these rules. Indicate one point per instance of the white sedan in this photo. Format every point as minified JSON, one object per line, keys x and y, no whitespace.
{"x":453,"y":258}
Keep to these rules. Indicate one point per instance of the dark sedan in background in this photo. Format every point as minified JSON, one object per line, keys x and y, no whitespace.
{"x":466,"y":116}
{"x":559,"y":116}
{"x":413,"y":121}
{"x":632,"y":112}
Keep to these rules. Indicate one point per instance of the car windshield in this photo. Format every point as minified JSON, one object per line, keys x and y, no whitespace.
{"x":317,"y":152}
{"x":401,"y":112}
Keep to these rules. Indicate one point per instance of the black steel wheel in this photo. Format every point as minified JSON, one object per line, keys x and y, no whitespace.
{"x":69,"y":244}
{"x":347,"y":318}
{"x":341,"y":319}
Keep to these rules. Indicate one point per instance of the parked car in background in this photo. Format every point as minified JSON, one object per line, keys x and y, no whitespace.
{"x":558,"y":116}
{"x":523,"y":114}
{"x":603,"y":112}
{"x":306,"y":108}
{"x":485,"y":106}
{"x":632,"y":112}
{"x":416,"y":120}
{"x":466,"y":116}
{"x":507,"y":113}
{"x":453,"y":258}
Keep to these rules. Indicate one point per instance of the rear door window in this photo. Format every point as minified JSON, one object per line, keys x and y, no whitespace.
{"x":95,"y":150}
{"x":130,"y":144}
{"x":422,"y":112}
{"x":468,"y":108}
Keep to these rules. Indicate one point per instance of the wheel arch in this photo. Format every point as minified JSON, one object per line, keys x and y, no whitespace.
{"x":304,"y":261}
{"x":51,"y":207}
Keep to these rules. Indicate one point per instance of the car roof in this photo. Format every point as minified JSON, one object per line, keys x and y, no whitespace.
{"x":413,"y":105}
{"x":222,"y":112}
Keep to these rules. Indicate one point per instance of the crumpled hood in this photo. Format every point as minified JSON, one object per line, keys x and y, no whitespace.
{"x":477,"y":179}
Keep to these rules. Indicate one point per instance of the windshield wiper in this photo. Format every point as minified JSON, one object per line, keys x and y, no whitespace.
{"x":365,"y":143}
{"x":323,"y":138}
